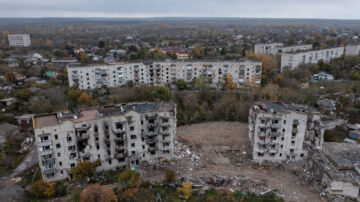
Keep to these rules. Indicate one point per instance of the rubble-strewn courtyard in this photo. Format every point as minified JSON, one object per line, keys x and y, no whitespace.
{"x":217,"y":154}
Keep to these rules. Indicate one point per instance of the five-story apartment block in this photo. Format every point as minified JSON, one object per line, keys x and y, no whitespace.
{"x":244,"y":72}
{"x":280,"y":131}
{"x":19,"y":40}
{"x":117,"y":135}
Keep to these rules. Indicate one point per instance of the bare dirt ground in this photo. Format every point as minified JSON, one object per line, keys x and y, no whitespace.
{"x":220,"y":155}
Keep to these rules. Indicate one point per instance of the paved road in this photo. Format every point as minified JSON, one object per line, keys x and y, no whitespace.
{"x":30,"y":160}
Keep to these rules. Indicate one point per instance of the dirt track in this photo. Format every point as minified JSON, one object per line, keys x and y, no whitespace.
{"x":225,"y":150}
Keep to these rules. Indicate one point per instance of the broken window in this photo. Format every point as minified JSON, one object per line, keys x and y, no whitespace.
{"x":133,"y":137}
{"x":301,"y":155}
{"x":72,"y":155}
{"x":133,"y":152}
{"x":132,"y":128}
{"x":56,"y":137}
{"x":96,"y":129}
{"x":58,"y":154}
{"x":58,"y":145}
{"x":72,"y":165}
{"x":69,"y":139}
{"x":119,"y":125}
{"x":291,"y":151}
{"x":132,"y":144}
{"x":260,"y":154}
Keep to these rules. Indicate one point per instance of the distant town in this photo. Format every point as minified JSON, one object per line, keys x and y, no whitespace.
{"x":180,"y":110}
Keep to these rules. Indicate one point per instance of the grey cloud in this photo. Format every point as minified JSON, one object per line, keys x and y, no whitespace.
{"x":345,"y":9}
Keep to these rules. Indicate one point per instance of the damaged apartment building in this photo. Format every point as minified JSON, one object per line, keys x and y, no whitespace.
{"x":336,"y":168}
{"x":280,"y":131}
{"x":117,"y":135}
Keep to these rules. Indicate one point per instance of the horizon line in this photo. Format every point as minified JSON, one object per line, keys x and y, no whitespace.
{"x":189,"y":17}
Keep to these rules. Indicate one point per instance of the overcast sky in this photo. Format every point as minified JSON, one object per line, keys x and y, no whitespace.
{"x":333,"y":9}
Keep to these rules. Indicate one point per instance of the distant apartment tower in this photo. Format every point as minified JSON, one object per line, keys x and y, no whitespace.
{"x":118,"y":136}
{"x":352,"y":50}
{"x":303,"y":47}
{"x":19,"y":40}
{"x":294,"y":59}
{"x":273,"y":48}
{"x":270,"y":48}
{"x":280,"y":131}
{"x":215,"y":73}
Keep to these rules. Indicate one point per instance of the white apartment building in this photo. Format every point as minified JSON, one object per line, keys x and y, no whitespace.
{"x":297,"y":48}
{"x":352,"y":50}
{"x":280,"y":132}
{"x":294,"y":59}
{"x":244,"y":72}
{"x":273,"y":48}
{"x":270,"y":48}
{"x":19,"y":40}
{"x":117,"y":135}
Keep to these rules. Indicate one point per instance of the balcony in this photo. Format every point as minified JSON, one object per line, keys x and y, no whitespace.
{"x":152,"y":149}
{"x":151,"y":141}
{"x":261,"y":142}
{"x":46,"y":152}
{"x":274,"y":134}
{"x":120,"y":156}
{"x":44,"y":143}
{"x":276,"y":125}
{"x":119,"y":148}
{"x":48,"y":162}
{"x":49,"y":170}
{"x":120,"y":139}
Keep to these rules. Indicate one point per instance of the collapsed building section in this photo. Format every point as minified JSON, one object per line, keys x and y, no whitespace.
{"x":117,"y":135}
{"x":279,"y":131}
{"x":337,"y":168}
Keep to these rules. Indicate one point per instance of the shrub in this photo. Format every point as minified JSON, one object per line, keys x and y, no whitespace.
{"x":169,"y":176}
{"x":130,"y":177}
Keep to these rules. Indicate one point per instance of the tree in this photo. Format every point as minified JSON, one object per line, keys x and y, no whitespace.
{"x":229,"y":85}
{"x":41,"y":190}
{"x":10,"y":76}
{"x":185,"y":190}
{"x":169,"y":176}
{"x":101,"y":44}
{"x":161,"y":93}
{"x":181,"y":84}
{"x":84,"y":99}
{"x":84,"y":58}
{"x":73,"y":95}
{"x":197,"y":52}
{"x":84,"y":169}
{"x":96,"y":193}
{"x":24,"y":94}
{"x":130,"y":177}
{"x":38,"y":189}
{"x":50,"y":190}
{"x":40,"y":105}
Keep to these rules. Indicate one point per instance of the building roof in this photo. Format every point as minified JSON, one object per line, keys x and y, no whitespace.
{"x":281,"y":107}
{"x":311,"y":50}
{"x":326,"y":102}
{"x":25,"y":116}
{"x":53,"y":119}
{"x":50,"y":73}
{"x":8,"y":99}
